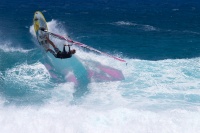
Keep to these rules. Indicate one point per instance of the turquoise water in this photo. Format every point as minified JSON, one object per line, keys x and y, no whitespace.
{"x":160,"y":89}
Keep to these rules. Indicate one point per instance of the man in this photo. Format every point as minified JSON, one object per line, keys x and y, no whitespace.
{"x":57,"y":53}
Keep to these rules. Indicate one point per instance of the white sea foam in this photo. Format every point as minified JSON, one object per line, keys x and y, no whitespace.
{"x":73,"y":119}
{"x":63,"y":93}
{"x":1,"y":76}
{"x":30,"y":75}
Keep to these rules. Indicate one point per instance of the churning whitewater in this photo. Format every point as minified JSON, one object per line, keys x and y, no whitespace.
{"x":155,"y":96}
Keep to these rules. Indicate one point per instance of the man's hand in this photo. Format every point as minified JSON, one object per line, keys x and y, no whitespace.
{"x":43,"y":29}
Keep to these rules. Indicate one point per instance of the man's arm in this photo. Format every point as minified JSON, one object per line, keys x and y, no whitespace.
{"x":69,"y":48}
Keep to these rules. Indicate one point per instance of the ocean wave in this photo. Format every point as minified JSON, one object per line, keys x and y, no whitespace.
{"x":163,"y":92}
{"x":146,"y":27}
{"x":7,"y":47}
{"x":175,"y":9}
{"x":149,"y":28}
{"x":191,"y":32}
{"x":137,"y":26}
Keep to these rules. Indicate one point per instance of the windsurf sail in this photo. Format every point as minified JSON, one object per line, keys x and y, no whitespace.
{"x":82,"y":45}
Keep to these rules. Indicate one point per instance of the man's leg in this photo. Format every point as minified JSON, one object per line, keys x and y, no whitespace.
{"x":55,"y":48}
{"x":51,"y":51}
{"x":50,"y":42}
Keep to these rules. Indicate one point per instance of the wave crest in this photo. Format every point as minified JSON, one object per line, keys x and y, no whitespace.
{"x":6,"y":47}
{"x":124,"y":23}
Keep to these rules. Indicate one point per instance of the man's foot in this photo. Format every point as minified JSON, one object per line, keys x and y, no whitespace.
{"x":57,"y":50}
{"x":50,"y":50}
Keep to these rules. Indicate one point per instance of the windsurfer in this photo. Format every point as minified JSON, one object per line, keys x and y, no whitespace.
{"x":57,"y":53}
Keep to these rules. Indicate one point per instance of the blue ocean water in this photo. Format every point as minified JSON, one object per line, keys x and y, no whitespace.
{"x":159,"y":93}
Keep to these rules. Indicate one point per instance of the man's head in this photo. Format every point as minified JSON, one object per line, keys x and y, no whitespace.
{"x":73,"y":51}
